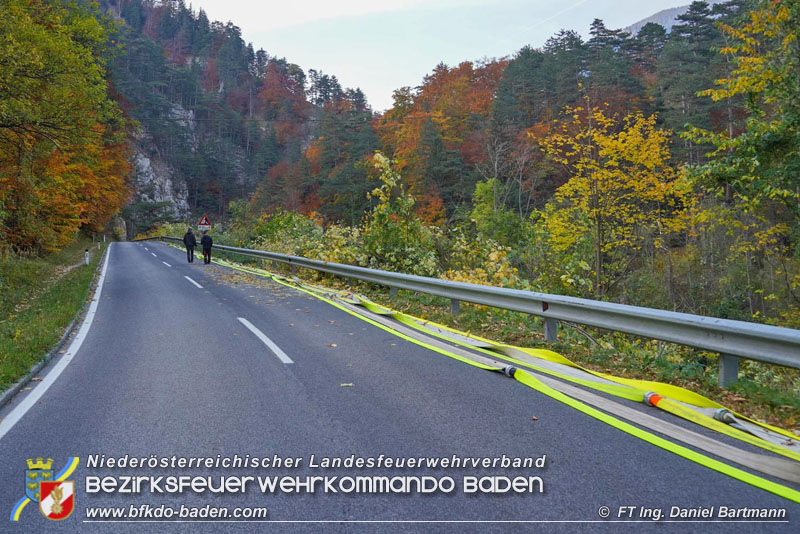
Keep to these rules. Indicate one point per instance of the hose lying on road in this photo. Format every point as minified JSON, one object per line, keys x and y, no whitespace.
{"x":675,"y":400}
{"x":777,"y":467}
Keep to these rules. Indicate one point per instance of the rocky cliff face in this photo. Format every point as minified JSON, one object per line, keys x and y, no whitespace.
{"x":154,"y":181}
{"x":162,"y":189}
{"x":159,"y":192}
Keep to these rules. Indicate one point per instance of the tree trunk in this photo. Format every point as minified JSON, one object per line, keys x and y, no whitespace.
{"x":598,"y":257}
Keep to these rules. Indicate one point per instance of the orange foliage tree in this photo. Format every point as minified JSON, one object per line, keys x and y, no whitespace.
{"x":63,"y":161}
{"x":432,"y":132}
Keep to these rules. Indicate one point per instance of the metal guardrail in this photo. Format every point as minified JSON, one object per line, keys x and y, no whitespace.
{"x":732,"y":339}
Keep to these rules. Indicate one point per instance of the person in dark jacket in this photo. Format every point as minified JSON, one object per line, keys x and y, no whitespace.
{"x":190,"y":241}
{"x":206,"y":241}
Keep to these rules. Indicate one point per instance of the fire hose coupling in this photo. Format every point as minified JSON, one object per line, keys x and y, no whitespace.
{"x":509,"y":370}
{"x":725,"y":415}
{"x":652,"y":398}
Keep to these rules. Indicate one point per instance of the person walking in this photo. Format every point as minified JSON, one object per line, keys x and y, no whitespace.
{"x":190,"y":241}
{"x":207,"y":242}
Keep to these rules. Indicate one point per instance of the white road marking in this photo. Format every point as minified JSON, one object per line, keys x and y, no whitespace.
{"x":154,"y":254}
{"x":267,"y":341}
{"x":145,"y":248}
{"x":33,"y":397}
{"x":192,"y":281}
{"x":167,"y":264}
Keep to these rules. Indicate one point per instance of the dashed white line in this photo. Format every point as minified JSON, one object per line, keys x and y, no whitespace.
{"x":192,"y":281}
{"x":33,"y":397}
{"x":145,"y":248}
{"x":154,"y":254}
{"x":267,"y":341}
{"x":167,"y":264}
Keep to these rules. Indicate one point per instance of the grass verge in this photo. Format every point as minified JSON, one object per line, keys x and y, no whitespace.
{"x":41,"y":297}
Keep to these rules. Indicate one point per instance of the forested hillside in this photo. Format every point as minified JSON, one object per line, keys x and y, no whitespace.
{"x":231,"y":119}
{"x":659,"y":168}
{"x":222,"y":116}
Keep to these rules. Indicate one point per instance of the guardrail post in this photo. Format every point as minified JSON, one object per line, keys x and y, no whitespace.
{"x":455,"y":306}
{"x":550,"y":329}
{"x":293,"y":269}
{"x":392,"y":291}
{"x":728,"y":370}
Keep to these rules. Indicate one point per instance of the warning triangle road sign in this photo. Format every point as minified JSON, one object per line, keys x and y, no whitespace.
{"x":204,"y":222}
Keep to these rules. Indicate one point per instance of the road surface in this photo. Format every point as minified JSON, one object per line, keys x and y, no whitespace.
{"x":192,"y":360}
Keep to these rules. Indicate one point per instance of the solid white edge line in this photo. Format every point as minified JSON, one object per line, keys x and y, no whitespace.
{"x":192,"y":281}
{"x":167,"y":264}
{"x":33,"y":397}
{"x":267,"y":341}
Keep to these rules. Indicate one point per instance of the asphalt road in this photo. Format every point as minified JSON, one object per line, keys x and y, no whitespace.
{"x":171,"y":369}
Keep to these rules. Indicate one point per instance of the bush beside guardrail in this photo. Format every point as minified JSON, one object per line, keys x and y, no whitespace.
{"x":731,"y":339}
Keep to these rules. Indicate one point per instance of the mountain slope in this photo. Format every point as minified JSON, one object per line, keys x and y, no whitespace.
{"x":215,"y":115}
{"x":666,"y":17}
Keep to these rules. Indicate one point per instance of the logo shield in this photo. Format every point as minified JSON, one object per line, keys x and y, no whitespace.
{"x":32,"y":479}
{"x":57,"y":500}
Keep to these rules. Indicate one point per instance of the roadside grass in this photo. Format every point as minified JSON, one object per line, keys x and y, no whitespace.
{"x":41,"y":296}
{"x":763,"y":392}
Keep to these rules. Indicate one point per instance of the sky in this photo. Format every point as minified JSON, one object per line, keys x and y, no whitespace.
{"x":382,"y":45}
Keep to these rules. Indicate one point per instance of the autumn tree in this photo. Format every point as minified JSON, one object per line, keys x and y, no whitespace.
{"x":437,"y":134}
{"x":621,"y":192}
{"x":62,"y":159}
{"x":763,"y":163}
{"x":394,"y":236}
{"x":753,"y":172}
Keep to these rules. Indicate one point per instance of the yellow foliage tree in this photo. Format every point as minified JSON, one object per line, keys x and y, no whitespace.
{"x":621,"y":195}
